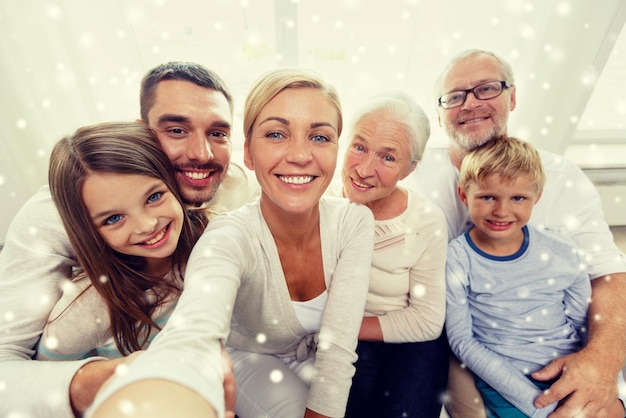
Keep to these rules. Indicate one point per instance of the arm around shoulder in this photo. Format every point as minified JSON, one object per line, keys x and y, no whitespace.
{"x":36,"y":259}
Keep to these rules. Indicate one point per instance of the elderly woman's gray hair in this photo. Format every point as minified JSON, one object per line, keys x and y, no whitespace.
{"x":402,"y":108}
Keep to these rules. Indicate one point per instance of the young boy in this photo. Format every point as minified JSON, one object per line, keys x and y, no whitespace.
{"x":517,"y":296}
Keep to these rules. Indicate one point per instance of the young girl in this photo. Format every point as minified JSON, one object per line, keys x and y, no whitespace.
{"x":116,"y":194}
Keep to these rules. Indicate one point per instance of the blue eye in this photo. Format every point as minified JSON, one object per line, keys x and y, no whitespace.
{"x":112,"y":220}
{"x":359,"y":148}
{"x":275,"y":135}
{"x":154,"y":197}
{"x":518,"y":198}
{"x":454,"y":97}
{"x":487,"y":197}
{"x":388,"y":159}
{"x":320,"y":138}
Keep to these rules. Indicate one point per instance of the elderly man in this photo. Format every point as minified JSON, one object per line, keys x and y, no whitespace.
{"x":476,"y":94}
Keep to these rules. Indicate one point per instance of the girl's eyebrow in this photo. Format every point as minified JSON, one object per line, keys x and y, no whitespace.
{"x":107,"y":213}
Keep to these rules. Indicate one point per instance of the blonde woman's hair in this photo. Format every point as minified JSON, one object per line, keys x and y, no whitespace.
{"x":507,"y":156}
{"x":274,"y":82}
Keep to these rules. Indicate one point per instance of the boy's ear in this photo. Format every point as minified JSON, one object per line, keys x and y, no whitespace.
{"x":538,"y":197}
{"x":462,"y":195}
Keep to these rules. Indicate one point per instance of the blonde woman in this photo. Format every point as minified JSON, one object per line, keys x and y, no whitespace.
{"x":288,"y":273}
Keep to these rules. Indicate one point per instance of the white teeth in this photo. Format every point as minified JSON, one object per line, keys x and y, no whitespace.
{"x":358,"y":183}
{"x":157,"y":238}
{"x":196,"y":175}
{"x":477,"y":119}
{"x":296,"y":179}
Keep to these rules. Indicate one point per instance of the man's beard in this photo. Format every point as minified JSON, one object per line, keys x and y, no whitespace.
{"x":196,"y":199}
{"x":200,"y":195}
{"x":469,"y":142}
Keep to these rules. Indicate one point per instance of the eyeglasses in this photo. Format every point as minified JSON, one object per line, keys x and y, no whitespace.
{"x":484,"y":91}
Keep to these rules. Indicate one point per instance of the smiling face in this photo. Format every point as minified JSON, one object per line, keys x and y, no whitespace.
{"x":475,"y":121}
{"x":193,"y":125}
{"x":379,"y":155}
{"x":499,"y":208}
{"x":293,"y":149}
{"x":135,"y":214}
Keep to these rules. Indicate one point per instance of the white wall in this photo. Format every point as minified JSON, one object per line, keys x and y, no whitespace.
{"x":69,"y":63}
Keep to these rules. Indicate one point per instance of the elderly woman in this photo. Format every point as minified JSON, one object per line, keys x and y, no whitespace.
{"x":402,"y":365}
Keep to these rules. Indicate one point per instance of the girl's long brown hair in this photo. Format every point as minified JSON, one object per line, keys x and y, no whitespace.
{"x":123,"y":148}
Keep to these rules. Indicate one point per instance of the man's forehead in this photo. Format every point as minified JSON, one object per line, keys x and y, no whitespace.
{"x":471,"y":71}
{"x":175,"y":90}
{"x":188,"y":100}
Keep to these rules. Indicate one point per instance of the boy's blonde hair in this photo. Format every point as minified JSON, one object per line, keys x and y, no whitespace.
{"x":507,"y":156}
